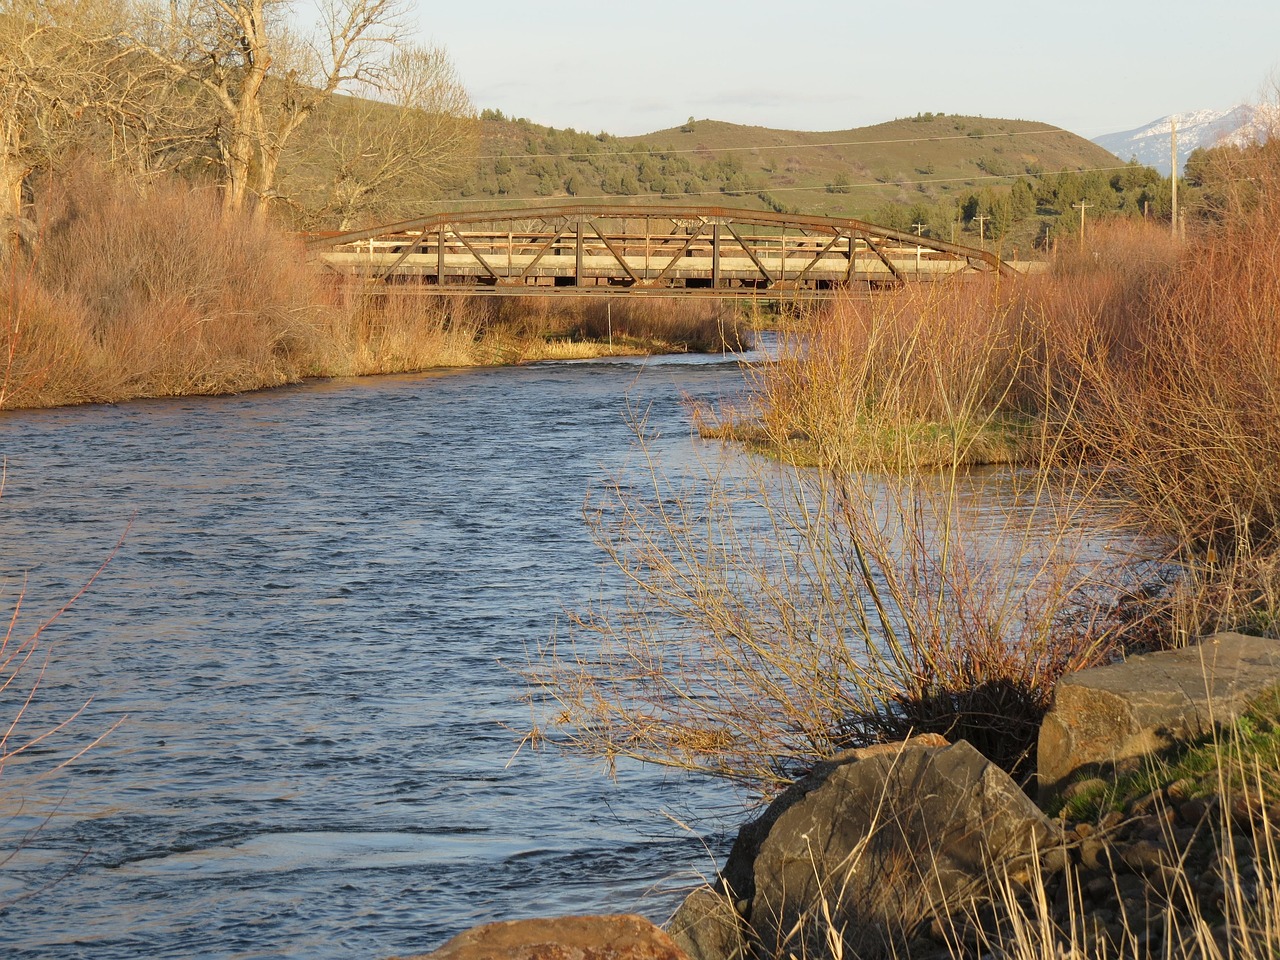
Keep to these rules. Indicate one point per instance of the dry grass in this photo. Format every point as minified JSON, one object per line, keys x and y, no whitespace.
{"x":136,"y":293}
{"x":1166,"y":369}
{"x":131,"y":295}
{"x":929,"y":375}
{"x":780,"y":611}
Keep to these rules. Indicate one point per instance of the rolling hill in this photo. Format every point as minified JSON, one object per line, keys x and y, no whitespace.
{"x":856,"y":172}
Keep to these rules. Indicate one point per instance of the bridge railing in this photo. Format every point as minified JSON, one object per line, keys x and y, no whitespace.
{"x":637,"y":250}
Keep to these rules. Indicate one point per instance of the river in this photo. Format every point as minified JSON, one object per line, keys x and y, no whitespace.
{"x":309,"y":625}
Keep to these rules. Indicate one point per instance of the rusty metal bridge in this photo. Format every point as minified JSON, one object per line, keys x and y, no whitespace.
{"x":642,"y":250}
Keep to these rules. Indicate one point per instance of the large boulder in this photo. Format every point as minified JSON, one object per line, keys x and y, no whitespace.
{"x":613,"y":937}
{"x":858,"y":857}
{"x":1107,"y":719}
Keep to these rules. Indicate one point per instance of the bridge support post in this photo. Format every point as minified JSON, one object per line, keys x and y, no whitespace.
{"x":715,"y":256}
{"x":577,"y":254}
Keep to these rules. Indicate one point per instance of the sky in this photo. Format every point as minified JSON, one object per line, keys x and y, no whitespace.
{"x":633,"y":67}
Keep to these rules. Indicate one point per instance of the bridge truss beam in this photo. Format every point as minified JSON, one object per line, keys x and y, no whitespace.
{"x":675,"y":251}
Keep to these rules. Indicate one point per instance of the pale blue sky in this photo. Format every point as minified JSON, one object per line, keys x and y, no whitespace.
{"x":632,"y":67}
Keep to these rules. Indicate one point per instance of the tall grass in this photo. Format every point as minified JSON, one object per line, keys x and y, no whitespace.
{"x":923,"y":376}
{"x":137,"y":292}
{"x":129,"y":294}
{"x":862,"y":583}
{"x":851,"y":590}
{"x":1170,"y":357}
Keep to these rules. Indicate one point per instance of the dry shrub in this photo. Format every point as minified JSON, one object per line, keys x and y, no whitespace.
{"x":926,"y":375}
{"x":696,"y":325}
{"x":392,"y":332}
{"x":147,"y":294}
{"x":704,"y":326}
{"x":1166,"y":368}
{"x":777,"y":614}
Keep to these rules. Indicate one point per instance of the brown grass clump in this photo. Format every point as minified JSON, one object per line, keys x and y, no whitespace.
{"x":842,"y":594}
{"x":700,"y":326}
{"x":925,"y":376}
{"x":129,"y":294}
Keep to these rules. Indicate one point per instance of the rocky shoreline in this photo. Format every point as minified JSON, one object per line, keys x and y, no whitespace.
{"x":925,"y":849}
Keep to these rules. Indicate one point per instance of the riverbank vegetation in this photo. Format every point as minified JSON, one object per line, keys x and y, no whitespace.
{"x":129,"y":292}
{"x":859,"y":585}
{"x":861,"y":582}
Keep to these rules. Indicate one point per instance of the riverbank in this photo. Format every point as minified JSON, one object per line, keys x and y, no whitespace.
{"x":869,"y":604}
{"x":127,"y":295}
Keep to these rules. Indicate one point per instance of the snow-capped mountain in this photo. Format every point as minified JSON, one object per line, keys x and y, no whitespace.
{"x":1201,"y":128}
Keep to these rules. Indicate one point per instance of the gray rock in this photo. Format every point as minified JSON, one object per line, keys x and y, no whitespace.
{"x":708,"y":927}
{"x":864,"y":851}
{"x":1108,"y":718}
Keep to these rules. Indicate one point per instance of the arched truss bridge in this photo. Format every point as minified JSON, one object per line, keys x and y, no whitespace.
{"x":638,"y":250}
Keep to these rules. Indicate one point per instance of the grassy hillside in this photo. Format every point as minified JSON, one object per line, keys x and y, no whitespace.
{"x":969,"y":179}
{"x":846,"y":172}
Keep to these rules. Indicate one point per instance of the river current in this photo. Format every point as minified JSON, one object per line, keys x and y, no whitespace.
{"x":312,"y":607}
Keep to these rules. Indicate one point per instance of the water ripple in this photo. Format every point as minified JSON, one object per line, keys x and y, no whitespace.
{"x":309,"y":624}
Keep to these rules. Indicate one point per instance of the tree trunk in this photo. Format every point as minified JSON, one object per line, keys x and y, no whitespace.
{"x":12,"y":173}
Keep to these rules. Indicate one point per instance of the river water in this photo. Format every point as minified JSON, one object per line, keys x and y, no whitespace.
{"x":308,"y":625}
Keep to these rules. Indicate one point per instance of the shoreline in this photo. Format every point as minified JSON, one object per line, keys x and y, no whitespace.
{"x":534,"y":351}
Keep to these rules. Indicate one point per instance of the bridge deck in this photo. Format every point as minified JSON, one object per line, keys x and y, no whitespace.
{"x":637,"y":249}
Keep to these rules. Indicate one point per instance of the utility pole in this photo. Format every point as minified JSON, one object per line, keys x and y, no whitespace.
{"x":1082,"y":207}
{"x":1173,"y":172}
{"x":919,"y":233}
{"x":982,"y":220}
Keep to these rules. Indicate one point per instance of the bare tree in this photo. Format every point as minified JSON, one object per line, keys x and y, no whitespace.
{"x":263,"y":79}
{"x":55,"y":64}
{"x":399,"y":140}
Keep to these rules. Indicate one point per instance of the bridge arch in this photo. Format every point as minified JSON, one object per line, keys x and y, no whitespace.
{"x":636,"y":250}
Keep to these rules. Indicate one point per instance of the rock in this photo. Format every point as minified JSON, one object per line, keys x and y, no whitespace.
{"x":855,"y":858}
{"x":1147,"y":804}
{"x":708,"y":927}
{"x":1111,"y":821}
{"x":1145,"y":857}
{"x":614,"y":937}
{"x":1055,"y":861}
{"x":1193,"y":811}
{"x":1094,"y":854}
{"x":737,"y":876}
{"x":1107,"y":718}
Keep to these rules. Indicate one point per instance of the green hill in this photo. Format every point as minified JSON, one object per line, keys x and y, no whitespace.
{"x":969,"y":179}
{"x":924,"y":169}
{"x":840,"y":172}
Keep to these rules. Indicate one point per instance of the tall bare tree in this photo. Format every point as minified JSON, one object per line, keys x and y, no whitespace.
{"x":55,"y":66}
{"x":387,"y":145}
{"x":263,"y":77}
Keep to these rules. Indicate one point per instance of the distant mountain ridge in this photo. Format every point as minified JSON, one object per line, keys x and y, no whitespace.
{"x":1151,"y":143}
